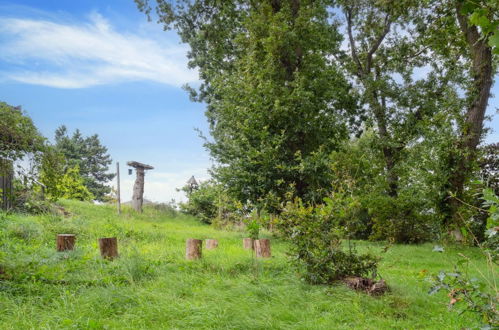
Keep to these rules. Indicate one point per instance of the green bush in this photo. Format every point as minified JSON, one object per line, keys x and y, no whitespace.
{"x":316,"y":235}
{"x":401,"y":220}
{"x":211,"y":204}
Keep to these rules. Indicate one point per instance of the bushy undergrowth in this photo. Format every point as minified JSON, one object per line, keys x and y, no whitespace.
{"x":316,"y":233}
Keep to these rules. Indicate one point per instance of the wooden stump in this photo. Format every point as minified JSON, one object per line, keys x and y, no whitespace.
{"x":65,"y":242}
{"x":262,"y":248}
{"x":108,"y":247}
{"x":248,"y":243}
{"x":211,"y":244}
{"x":193,"y":249}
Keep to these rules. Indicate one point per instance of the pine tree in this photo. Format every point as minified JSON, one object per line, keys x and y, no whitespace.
{"x":90,"y":156}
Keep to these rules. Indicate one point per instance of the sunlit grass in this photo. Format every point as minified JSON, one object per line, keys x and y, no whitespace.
{"x":152,"y":286}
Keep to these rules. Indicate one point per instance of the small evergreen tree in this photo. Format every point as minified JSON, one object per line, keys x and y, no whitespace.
{"x":72,"y":186}
{"x":90,"y":156}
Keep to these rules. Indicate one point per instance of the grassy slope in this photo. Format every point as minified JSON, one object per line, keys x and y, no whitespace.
{"x":152,"y":286}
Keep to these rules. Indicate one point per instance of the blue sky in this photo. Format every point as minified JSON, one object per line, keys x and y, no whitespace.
{"x":101,"y":67}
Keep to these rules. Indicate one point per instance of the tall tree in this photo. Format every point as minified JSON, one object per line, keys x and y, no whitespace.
{"x":18,"y":134}
{"x":470,"y":39}
{"x":90,"y":156}
{"x":278,"y":102}
{"x":387,"y":54}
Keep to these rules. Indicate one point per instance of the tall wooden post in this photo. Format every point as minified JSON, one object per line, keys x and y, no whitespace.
{"x":138,"y":190}
{"x":6,"y":186}
{"x":118,"y":196}
{"x":138,"y":187}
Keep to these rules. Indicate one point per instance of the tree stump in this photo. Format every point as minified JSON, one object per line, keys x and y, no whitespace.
{"x":65,"y":242}
{"x":211,"y":244}
{"x":108,"y":247}
{"x":248,"y":243}
{"x":262,"y":248}
{"x":193,"y":249}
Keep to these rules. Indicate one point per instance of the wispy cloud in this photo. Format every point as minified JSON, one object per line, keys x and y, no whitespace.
{"x":70,"y":55}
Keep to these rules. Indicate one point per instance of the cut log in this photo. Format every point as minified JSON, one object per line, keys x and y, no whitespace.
{"x":108,"y":247}
{"x":193,"y":249}
{"x":262,"y":248}
{"x":248,"y":243}
{"x":65,"y":242}
{"x":211,"y":244}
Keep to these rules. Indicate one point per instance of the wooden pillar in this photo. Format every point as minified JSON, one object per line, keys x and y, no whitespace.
{"x":193,"y":249}
{"x":108,"y":247}
{"x":211,"y":244}
{"x":262,"y":248}
{"x":6,"y":178}
{"x":65,"y":242}
{"x":118,"y":191}
{"x":248,"y":243}
{"x":138,"y":189}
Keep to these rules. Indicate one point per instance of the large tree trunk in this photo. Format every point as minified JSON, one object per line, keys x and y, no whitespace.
{"x":471,"y":134}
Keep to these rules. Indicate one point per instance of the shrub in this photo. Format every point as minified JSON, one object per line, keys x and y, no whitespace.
{"x":401,"y":220}
{"x":211,"y":204}
{"x":316,"y":235}
{"x":468,"y":293}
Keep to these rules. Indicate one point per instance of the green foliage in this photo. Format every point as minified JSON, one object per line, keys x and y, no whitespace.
{"x":253,"y":229}
{"x":90,"y":156}
{"x":491,"y":244}
{"x":469,"y":295}
{"x":72,"y":186}
{"x":18,"y":134}
{"x":51,"y":172}
{"x":484,"y":14}
{"x":400,"y":220}
{"x":316,"y":233}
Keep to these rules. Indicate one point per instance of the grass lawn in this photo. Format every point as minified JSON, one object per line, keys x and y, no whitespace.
{"x":151,"y":286}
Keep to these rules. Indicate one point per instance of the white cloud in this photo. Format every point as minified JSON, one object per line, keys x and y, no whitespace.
{"x":72,"y":55}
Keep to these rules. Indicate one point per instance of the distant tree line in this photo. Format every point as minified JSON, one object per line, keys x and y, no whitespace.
{"x":73,"y":167}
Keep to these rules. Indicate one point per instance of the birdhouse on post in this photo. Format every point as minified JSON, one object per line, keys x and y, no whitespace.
{"x":138,"y":187}
{"x":192,"y":184}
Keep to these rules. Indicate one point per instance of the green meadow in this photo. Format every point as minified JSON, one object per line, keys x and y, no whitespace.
{"x":152,"y":286}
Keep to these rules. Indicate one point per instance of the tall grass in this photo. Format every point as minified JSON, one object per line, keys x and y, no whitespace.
{"x":152,"y":286}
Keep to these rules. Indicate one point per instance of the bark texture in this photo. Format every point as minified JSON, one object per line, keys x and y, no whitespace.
{"x":108,"y":247}
{"x":138,"y":190}
{"x":248,"y":243}
{"x":65,"y":242}
{"x":262,"y":248}
{"x":482,"y":72}
{"x":193,"y":249}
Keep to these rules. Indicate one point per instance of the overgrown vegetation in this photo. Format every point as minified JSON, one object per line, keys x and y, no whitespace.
{"x":151,"y":285}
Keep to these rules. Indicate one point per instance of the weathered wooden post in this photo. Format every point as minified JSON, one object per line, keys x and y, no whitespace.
{"x":108,"y":247}
{"x":65,"y":242}
{"x":248,"y":243}
{"x":6,"y":179}
{"x":138,"y":187}
{"x":193,"y":249}
{"x":118,"y":191}
{"x":262,"y":248}
{"x":211,"y":244}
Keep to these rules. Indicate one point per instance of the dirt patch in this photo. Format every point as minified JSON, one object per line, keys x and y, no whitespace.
{"x":367,"y":285}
